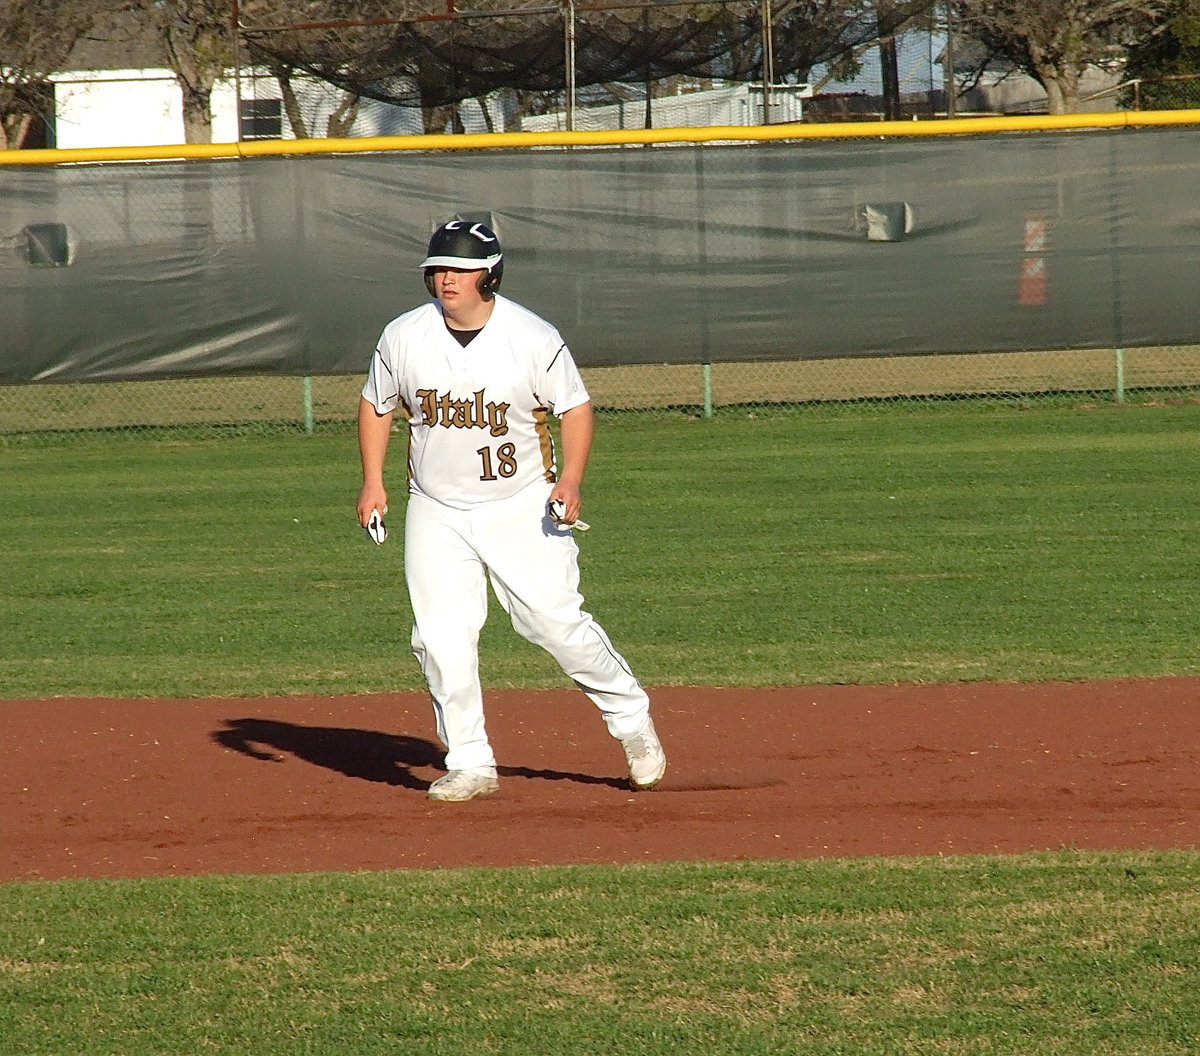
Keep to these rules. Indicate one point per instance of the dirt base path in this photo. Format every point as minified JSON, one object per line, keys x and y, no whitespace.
{"x":119,"y":788}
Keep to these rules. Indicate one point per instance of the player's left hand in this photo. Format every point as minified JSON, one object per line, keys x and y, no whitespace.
{"x":571,"y":503}
{"x":558,"y":513}
{"x":376,"y":528}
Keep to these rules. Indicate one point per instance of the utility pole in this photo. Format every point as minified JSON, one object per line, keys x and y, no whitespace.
{"x":768,"y":58}
{"x":568,"y":10}
{"x":948,"y":73}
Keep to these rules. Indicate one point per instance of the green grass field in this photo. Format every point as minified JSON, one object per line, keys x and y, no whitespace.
{"x":940,"y":544}
{"x":1062,"y":955}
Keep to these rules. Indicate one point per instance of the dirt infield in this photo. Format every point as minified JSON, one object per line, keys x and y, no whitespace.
{"x":118,"y":788}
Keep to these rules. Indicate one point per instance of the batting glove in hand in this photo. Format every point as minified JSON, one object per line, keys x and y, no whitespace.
{"x":558,"y":513}
{"x":376,"y":530}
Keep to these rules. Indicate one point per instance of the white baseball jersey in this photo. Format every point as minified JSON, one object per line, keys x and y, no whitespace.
{"x":478,"y":416}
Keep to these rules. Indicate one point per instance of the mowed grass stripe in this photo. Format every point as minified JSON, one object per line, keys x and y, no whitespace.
{"x":1060,"y":954}
{"x":936,"y":545}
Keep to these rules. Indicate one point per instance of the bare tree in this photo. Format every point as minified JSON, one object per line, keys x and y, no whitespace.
{"x":348,"y":44}
{"x":421,"y":53}
{"x":297,"y":103}
{"x":197,"y":36}
{"x":889,"y":71}
{"x":1055,"y":41}
{"x":1165,"y":67}
{"x":35,"y":40}
{"x":297,"y":119}
{"x":834,"y":33}
{"x":341,"y":118}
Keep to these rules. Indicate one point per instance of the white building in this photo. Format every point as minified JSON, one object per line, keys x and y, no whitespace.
{"x":737,"y":104}
{"x":118,"y":92}
{"x":144,"y":107}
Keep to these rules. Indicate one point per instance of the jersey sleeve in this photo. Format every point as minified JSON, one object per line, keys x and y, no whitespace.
{"x":561,"y":387}
{"x":382,"y":388}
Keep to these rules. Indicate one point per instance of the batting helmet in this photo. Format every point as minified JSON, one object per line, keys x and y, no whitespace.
{"x":468,"y":245}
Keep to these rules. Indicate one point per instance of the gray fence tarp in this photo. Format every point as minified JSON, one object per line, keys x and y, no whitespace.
{"x":814,"y":249}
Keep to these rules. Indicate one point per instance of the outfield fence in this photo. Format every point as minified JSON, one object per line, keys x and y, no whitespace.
{"x":243,"y":286}
{"x":200,"y":407}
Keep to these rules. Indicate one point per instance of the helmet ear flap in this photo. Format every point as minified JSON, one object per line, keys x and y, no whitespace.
{"x":429,"y":282}
{"x":489,"y":282}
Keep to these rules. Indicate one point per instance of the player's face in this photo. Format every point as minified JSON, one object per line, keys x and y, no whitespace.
{"x":458,"y":290}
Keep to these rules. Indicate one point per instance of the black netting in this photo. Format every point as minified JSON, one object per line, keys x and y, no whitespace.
{"x":430,"y":61}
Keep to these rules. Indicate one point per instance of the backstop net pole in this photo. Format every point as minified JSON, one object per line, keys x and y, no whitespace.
{"x":569,"y":60}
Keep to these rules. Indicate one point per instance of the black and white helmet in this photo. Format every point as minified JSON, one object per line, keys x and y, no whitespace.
{"x":469,"y":245}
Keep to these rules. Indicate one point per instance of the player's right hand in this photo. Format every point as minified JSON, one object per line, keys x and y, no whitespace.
{"x":370,"y":499}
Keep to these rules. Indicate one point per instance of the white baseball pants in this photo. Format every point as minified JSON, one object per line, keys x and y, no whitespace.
{"x":532,"y":564}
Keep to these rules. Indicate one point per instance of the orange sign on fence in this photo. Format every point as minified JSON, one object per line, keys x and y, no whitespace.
{"x":1032,"y":287}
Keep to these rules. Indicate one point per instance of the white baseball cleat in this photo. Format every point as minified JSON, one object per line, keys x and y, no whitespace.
{"x":647,"y":760}
{"x":460,"y":785}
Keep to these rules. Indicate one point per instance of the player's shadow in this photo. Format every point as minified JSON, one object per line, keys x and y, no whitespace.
{"x":534,"y":774}
{"x":363,"y":754}
{"x":367,"y":755}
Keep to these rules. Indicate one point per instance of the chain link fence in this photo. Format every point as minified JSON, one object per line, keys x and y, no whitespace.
{"x":277,"y":394}
{"x":251,"y":405}
{"x":1181,"y":92}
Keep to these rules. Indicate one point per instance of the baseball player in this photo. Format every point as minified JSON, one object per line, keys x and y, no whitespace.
{"x":476,"y":376}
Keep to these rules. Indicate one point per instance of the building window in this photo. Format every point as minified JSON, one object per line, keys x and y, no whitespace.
{"x":260,"y":119}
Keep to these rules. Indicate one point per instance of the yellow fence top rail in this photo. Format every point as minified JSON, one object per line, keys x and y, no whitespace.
{"x":608,"y":137}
